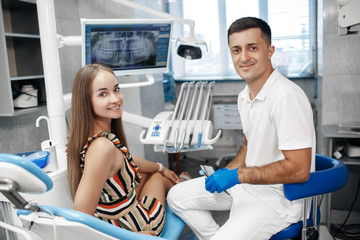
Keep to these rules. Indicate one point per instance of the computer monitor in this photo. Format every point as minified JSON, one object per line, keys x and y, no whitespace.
{"x":128,"y":46}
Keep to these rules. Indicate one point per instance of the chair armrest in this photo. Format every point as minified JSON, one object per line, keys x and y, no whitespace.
{"x":25,"y":170}
{"x":327,"y":180}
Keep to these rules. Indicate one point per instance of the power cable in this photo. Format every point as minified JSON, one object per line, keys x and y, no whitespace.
{"x":347,"y":217}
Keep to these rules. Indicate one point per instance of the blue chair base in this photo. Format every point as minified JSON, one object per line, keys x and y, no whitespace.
{"x":294,"y":230}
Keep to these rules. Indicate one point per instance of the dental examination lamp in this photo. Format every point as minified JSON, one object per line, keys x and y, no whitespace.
{"x":349,"y":17}
{"x":189,"y":47}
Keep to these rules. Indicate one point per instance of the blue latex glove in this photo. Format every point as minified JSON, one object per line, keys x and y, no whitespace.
{"x":221,"y":180}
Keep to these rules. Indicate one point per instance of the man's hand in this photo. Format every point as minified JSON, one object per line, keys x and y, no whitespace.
{"x":221,"y":180}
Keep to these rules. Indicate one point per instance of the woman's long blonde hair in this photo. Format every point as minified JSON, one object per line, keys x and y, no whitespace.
{"x":82,"y":121}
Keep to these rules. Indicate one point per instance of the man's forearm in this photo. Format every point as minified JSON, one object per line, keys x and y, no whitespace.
{"x":239,"y":159}
{"x":294,"y":168}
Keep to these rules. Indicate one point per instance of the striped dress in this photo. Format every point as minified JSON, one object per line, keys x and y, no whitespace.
{"x":118,"y":204}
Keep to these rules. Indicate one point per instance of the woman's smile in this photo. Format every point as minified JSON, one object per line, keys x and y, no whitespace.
{"x":118,"y":107}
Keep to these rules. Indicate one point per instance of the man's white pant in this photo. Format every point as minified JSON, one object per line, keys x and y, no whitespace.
{"x":249,"y":218}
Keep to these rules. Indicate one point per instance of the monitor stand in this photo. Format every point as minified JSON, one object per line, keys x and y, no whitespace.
{"x":150,"y":81}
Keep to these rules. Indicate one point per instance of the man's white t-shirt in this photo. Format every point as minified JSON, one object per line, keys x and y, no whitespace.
{"x":278,"y":118}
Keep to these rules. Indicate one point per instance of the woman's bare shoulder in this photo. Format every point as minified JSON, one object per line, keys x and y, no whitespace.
{"x":101,"y":149}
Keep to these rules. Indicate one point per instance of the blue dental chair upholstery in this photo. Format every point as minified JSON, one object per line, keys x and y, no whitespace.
{"x":330,"y":175}
{"x":18,"y":174}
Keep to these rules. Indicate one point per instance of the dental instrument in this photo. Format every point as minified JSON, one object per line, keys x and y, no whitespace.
{"x":49,"y":146}
{"x":197,"y":109}
{"x":165,"y":127}
{"x":37,"y":124}
{"x":204,"y":111}
{"x":206,"y":171}
{"x":182,"y":113}
{"x":188,"y":116}
{"x":206,"y":118}
{"x":174,"y":115}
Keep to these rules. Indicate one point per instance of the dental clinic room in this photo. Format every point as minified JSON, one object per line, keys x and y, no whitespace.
{"x":197,"y":112}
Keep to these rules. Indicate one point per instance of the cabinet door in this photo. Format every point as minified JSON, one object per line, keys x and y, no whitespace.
{"x":6,"y":103}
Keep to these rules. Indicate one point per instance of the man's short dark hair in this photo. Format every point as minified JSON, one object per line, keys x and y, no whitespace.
{"x":251,"y":22}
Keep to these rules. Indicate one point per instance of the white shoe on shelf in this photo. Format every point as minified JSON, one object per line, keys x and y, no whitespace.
{"x":28,"y":97}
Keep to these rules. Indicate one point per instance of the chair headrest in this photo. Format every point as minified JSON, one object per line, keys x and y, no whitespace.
{"x":28,"y":177}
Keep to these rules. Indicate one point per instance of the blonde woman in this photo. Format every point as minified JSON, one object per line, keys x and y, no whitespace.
{"x":105,"y":180}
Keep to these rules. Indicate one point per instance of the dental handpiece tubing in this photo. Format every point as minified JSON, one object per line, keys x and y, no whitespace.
{"x":196,"y":113}
{"x":186,"y":99}
{"x":182,"y":113}
{"x":198,"y":84}
{"x":188,"y":115}
{"x":190,"y":109}
{"x":178,"y":103}
{"x":174,"y":114}
{"x":204,"y":111}
{"x":197,"y":109}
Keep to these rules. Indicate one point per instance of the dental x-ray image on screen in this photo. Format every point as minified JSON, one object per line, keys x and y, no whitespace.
{"x":124,"y":48}
{"x":131,"y":46}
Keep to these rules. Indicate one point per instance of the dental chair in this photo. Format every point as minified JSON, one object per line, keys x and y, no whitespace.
{"x":49,"y":222}
{"x":330,"y":175}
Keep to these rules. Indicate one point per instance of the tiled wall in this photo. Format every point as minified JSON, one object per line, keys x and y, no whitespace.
{"x":19,"y":134}
{"x":341,"y":69}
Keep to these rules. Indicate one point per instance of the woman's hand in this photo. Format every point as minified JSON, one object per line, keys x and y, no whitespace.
{"x":148,"y":232}
{"x":170,"y":175}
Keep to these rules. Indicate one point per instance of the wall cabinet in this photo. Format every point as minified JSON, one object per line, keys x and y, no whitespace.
{"x":20,"y":54}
